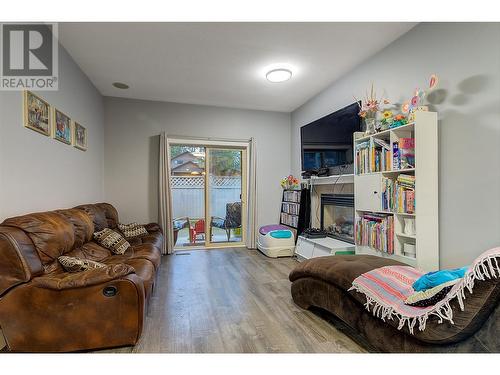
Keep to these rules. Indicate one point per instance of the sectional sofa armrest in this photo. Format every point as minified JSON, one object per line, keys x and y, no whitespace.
{"x":19,"y":261}
{"x":153,"y":227}
{"x":83,"y":279}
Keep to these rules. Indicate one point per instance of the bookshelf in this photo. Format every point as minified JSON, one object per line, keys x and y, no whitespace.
{"x":295,"y":210}
{"x":396,"y":187}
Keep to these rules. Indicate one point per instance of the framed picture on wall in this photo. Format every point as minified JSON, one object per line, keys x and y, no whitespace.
{"x":62,"y":127}
{"x":36,"y":113}
{"x":80,"y":137}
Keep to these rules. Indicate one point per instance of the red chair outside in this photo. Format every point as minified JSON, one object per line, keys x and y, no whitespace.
{"x":197,"y":230}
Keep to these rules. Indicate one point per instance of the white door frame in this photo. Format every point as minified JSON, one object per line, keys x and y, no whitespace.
{"x":243,"y":145}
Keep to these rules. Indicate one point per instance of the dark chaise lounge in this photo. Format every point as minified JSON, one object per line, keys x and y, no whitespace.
{"x":324,"y":283}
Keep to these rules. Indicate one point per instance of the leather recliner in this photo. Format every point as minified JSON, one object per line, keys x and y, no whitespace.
{"x":45,"y":309}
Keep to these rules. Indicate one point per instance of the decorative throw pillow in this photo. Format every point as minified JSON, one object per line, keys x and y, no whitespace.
{"x":128,"y":226}
{"x":436,"y":278}
{"x":111,"y":240}
{"x":73,"y":264}
{"x":132,"y":230}
{"x":431,"y":296}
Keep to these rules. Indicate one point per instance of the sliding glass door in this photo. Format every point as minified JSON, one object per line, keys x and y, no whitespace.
{"x":187,"y":184}
{"x":208,"y":192}
{"x":225,"y":196}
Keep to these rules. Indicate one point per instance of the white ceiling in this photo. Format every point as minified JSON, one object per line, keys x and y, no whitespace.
{"x":222,"y":64}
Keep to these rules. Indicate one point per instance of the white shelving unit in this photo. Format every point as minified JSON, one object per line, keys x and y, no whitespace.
{"x":368,"y":187}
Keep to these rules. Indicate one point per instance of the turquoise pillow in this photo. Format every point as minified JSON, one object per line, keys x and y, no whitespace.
{"x":281,"y":234}
{"x":432,"y":279}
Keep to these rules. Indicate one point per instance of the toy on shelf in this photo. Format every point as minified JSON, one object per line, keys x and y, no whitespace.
{"x":416,"y":103}
{"x":399,"y":120}
{"x":423,"y":108}
{"x":386,"y":121}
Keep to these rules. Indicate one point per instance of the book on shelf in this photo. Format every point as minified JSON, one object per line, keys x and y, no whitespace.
{"x":291,"y":196}
{"x":403,"y":153}
{"x":363,"y":157}
{"x":376,"y":231}
{"x":396,"y":161}
{"x":290,"y":220}
{"x":295,"y":209}
{"x":407,"y":152}
{"x":382,"y":143}
{"x":375,"y":157}
{"x":381,"y":156}
{"x":399,"y":195}
{"x":387,"y":194}
{"x":290,"y":208}
{"x":406,"y":180}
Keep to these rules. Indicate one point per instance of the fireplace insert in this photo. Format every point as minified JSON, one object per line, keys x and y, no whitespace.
{"x":337,"y":216}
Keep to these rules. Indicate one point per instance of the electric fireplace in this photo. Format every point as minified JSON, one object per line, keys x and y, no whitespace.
{"x":337,"y":216}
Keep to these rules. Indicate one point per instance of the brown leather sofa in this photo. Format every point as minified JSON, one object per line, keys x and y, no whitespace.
{"x":324,"y":283}
{"x":45,"y":309}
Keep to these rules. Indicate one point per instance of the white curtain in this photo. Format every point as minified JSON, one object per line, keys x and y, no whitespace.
{"x":165,"y":199}
{"x":252,"y":196}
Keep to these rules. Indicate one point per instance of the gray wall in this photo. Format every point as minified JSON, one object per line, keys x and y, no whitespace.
{"x":39,"y":173}
{"x":467,"y":59}
{"x":132,"y":129}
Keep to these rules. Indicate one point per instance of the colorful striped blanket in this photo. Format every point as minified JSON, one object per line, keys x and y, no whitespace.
{"x":387,"y":288}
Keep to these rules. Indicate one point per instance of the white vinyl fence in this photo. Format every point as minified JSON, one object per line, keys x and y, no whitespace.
{"x":188,"y":195}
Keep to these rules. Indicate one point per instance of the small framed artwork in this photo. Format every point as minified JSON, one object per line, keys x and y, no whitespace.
{"x":62,"y":127}
{"x":36,"y":113}
{"x":80,"y":137}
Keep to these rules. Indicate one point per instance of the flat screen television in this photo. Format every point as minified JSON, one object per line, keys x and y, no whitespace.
{"x":328,"y":141}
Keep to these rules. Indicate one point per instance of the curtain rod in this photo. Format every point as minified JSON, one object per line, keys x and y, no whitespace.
{"x":212,"y":139}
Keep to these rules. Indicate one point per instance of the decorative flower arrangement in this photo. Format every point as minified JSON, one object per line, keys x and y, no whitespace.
{"x":387,"y":115}
{"x":290,"y":183}
{"x":368,"y":110}
{"x":370,"y":105}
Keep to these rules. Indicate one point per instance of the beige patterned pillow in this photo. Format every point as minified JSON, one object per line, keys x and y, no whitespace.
{"x":73,"y":264}
{"x":132,"y":230}
{"x":111,"y":240}
{"x":430,"y":296}
{"x":128,"y":226}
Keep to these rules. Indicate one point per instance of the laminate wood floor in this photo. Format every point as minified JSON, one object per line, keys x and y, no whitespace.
{"x":232,"y":301}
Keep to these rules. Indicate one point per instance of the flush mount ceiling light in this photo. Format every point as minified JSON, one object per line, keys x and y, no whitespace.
{"x":120,"y":85}
{"x":279,"y":75}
